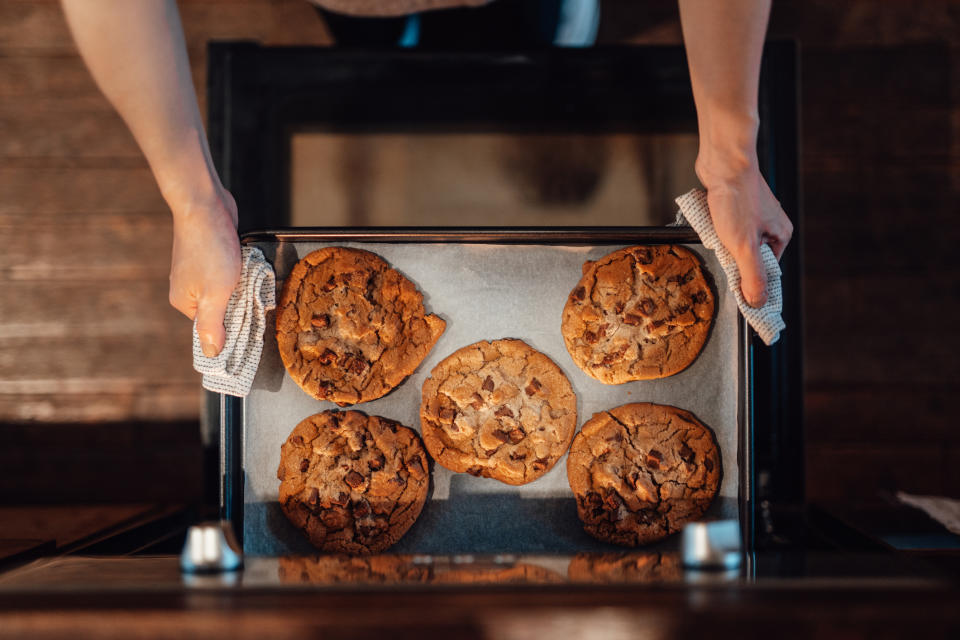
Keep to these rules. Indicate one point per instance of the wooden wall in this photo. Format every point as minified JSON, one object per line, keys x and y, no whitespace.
{"x":86,"y":334}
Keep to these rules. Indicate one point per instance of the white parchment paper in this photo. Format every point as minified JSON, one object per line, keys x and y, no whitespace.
{"x":486,"y":292}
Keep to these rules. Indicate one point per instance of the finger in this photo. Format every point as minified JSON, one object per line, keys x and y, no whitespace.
{"x":210,"y":313}
{"x":776,"y":244}
{"x":753,"y":276}
{"x":185,"y":305}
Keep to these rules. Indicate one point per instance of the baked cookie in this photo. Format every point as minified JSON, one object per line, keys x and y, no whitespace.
{"x":626,"y":568}
{"x":491,"y":573}
{"x":498,"y":409}
{"x":349,"y":327}
{"x":641,"y":471}
{"x":638,"y":313}
{"x":341,"y":569}
{"x":352,"y":483}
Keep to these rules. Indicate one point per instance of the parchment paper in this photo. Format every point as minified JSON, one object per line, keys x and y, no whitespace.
{"x":485,"y":292}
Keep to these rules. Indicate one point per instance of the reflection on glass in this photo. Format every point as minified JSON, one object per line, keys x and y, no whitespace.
{"x":488,"y":179}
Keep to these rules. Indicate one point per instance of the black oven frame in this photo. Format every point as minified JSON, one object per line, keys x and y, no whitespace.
{"x":259,"y":96}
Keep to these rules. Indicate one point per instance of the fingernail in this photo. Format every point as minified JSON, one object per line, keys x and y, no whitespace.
{"x":209,"y":349}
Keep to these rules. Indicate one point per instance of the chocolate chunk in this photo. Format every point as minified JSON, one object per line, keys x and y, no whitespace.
{"x":503,"y":412}
{"x":517,"y":456}
{"x":415,"y":466}
{"x":297,"y":439}
{"x":341,"y":500}
{"x":376,"y":464}
{"x":475,"y":471}
{"x":579,"y":294}
{"x":447,"y":415}
{"x":330,"y":284}
{"x":612,"y":501}
{"x":708,"y":463}
{"x":477,"y":401}
{"x":602,"y":331}
{"x":517,"y":435}
{"x":682,"y":309}
{"x":686,"y":453}
{"x":654,"y":458}
{"x":590,"y":337}
{"x":355,"y":365}
{"x":593,"y":500}
{"x":616,"y":437}
{"x":632,"y":320}
{"x":657,"y":323}
{"x":304,"y":465}
{"x":313,"y":496}
{"x":647,"y":306}
{"x":644,"y":256}
{"x":687,"y":277}
{"x":328,"y":357}
{"x":488,"y":384}
{"x":618,"y":307}
{"x":631,"y":480}
{"x":501,"y":435}
{"x":533,"y":387}
{"x":361,"y":509}
{"x":539,"y":464}
{"x":699,"y":297}
{"x":320,"y":321}
{"x":353,"y":479}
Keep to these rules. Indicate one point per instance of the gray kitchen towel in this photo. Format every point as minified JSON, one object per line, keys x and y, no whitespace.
{"x":766,"y":320}
{"x":233,"y":370}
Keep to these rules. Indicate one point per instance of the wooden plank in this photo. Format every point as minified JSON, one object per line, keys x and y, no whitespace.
{"x":49,"y":129}
{"x":881,"y":414}
{"x":44,"y":191}
{"x":65,"y":365}
{"x":861,"y":471}
{"x":87,"y":247}
{"x":864,"y":22}
{"x":37,"y":26}
{"x":93,"y":309}
{"x":148,"y":400}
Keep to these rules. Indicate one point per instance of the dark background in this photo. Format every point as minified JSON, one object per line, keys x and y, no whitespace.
{"x":98,"y":400}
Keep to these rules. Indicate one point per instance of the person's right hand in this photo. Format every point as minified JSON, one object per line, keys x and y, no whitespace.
{"x":745,"y":214}
{"x":205,"y":266}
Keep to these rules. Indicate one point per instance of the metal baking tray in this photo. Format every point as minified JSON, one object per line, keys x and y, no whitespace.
{"x":487,"y":284}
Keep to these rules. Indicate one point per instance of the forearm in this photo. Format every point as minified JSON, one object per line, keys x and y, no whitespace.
{"x":724,"y":43}
{"x":137,"y":55}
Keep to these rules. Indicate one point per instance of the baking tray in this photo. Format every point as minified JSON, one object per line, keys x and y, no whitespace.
{"x":487,"y":284}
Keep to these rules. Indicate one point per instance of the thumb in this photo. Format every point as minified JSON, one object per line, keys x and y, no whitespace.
{"x":753,"y":276}
{"x":210,"y":313}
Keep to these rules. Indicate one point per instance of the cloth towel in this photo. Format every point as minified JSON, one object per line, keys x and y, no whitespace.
{"x":766,"y":320}
{"x":946,"y":511}
{"x":233,"y":370}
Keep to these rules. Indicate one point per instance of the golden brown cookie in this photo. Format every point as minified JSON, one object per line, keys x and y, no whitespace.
{"x":499,"y":410}
{"x":641,"y":471}
{"x":638,"y":313}
{"x":648,"y":567}
{"x":350,"y":328}
{"x":341,"y":569}
{"x":352,"y":483}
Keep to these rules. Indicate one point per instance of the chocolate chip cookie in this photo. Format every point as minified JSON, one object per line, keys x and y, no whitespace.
{"x":341,"y":569}
{"x":499,"y":410}
{"x":638,"y":313}
{"x":352,"y":483}
{"x":641,"y":471}
{"x":349,"y":327}
{"x":649,"y":567}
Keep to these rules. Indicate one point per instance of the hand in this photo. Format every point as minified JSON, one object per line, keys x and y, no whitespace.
{"x":745,"y":214}
{"x":205,"y":267}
